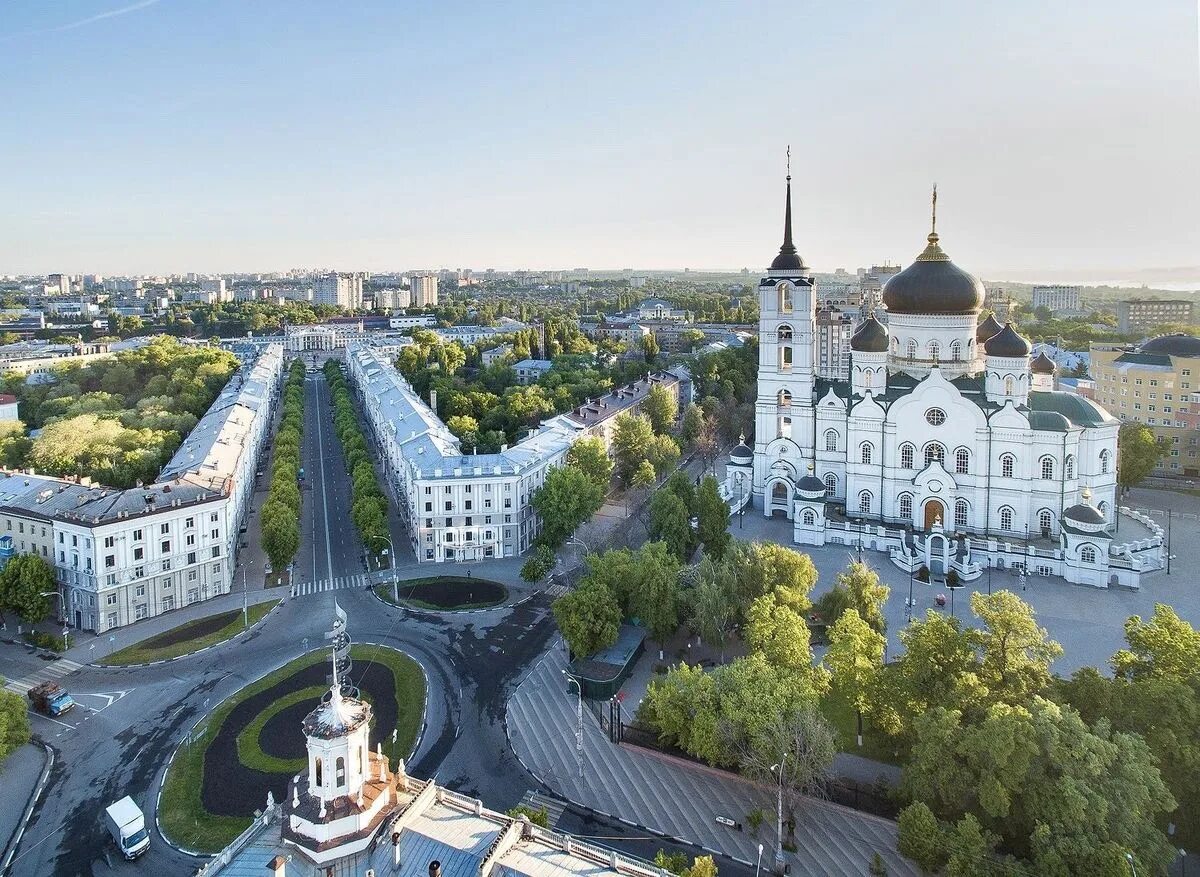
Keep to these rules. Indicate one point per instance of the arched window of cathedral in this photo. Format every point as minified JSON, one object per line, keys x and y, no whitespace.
{"x":831,"y":440}
{"x":1045,"y":520}
{"x":1087,"y":554}
{"x":1069,"y":468}
{"x":785,"y":298}
{"x":864,"y":502}
{"x":962,"y":461}
{"x":339,"y":773}
{"x":1047,"y":464}
{"x":1103,"y":508}
{"x":865,"y":452}
{"x":1008,"y":464}
{"x":1006,"y":518}
{"x":934,"y":451}
{"x":960,"y":514}
{"x":785,"y":399}
{"x":934,"y":350}
{"x":895,"y":345}
{"x":830,"y":484}
{"x":779,"y":492}
{"x":906,"y":456}
{"x":906,"y":506}
{"x":785,"y":427}
{"x":912,"y":348}
{"x":1008,"y":385}
{"x":319,"y":770}
{"x":809,"y":517}
{"x":785,"y":358}
{"x":785,"y":332}
{"x":955,"y":351}
{"x":1105,"y":459}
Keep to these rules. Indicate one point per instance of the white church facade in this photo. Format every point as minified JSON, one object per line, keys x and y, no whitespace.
{"x":948,"y":445}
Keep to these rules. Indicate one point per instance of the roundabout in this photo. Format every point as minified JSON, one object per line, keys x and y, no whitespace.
{"x":253,"y":743}
{"x":446,"y":593}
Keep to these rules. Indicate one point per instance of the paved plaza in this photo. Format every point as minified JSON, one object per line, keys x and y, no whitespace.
{"x":1088,"y":622}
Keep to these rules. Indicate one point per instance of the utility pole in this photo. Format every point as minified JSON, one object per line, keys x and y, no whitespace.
{"x":777,"y":769}
{"x":578,"y":721}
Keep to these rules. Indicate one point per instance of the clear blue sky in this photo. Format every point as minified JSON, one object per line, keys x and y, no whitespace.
{"x":226,"y":135}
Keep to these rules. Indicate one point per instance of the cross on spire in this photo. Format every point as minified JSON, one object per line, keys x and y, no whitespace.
{"x":933,"y":224}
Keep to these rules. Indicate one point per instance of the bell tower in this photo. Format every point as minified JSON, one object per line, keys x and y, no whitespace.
{"x":786,"y":361}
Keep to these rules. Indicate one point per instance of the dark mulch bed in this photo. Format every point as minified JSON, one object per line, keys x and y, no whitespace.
{"x":452,"y":592}
{"x":193,"y":630}
{"x":279,"y":736}
{"x":232,"y":789}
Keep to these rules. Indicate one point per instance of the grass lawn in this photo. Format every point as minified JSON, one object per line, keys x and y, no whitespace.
{"x":181,"y":812}
{"x":155,"y":649}
{"x":445,"y":593}
{"x":844,"y":719}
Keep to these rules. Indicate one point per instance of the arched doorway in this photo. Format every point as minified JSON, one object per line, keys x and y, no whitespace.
{"x":780,"y":499}
{"x":934,"y":511}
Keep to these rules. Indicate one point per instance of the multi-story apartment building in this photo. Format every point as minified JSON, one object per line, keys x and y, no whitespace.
{"x":124,"y":555}
{"x":343,"y":290}
{"x":1058,"y":298}
{"x":424,"y":290}
{"x":1143,"y":314}
{"x":1157,"y":384}
{"x":469,"y":507}
{"x":393,"y":299}
{"x":834,"y":328}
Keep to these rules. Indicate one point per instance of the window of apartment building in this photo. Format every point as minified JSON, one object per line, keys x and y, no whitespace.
{"x":450,"y":537}
{"x":165,"y":546}
{"x":428,"y":490}
{"x":138,"y":553}
{"x":61,"y":538}
{"x":137,"y":535}
{"x":429,"y":554}
{"x":1124,"y":380}
{"x":1186,"y":372}
{"x":193,"y":595}
{"x":508,"y":503}
{"x":1150,"y":407}
{"x":508,"y":519}
{"x":1154,"y":395}
{"x":214,"y":517}
{"x":112,"y":619}
{"x":428,"y":522}
{"x":216,"y":551}
{"x":1167,"y":397}
{"x":1153,"y":383}
{"x":446,"y":489}
{"x":468,"y":523}
{"x":109,"y":541}
{"x":191,"y":539}
{"x":189,"y":523}
{"x":1152,"y":421}
{"x":139,"y":591}
{"x":111,"y":579}
{"x":191,"y":558}
{"x":215,"y":533}
{"x":110,"y":600}
{"x":487,"y":519}
{"x":62,"y":557}
{"x":44,"y":552}
{"x":168,"y":603}
{"x":449,"y":505}
{"x":192,"y":575}
{"x":139,"y":572}
{"x":74,"y":541}
{"x":449,"y":522}
{"x":428,"y":506}
{"x":110,"y":560}
{"x":1137,"y":406}
{"x":166,"y":565}
{"x":164,"y":529}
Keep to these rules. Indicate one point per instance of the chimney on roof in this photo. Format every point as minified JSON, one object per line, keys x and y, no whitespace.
{"x":435,"y":868}
{"x":278,"y":866}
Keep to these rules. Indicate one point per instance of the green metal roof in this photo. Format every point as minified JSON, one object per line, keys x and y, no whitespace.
{"x":1076,"y":409}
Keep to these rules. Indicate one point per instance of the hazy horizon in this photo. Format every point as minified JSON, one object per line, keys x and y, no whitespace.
{"x":169,"y":136}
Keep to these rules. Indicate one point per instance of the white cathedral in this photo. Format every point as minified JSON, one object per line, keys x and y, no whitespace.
{"x":947,"y":447}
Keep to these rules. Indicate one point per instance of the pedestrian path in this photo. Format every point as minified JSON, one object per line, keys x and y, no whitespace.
{"x":679,"y":798}
{"x":337,"y":583}
{"x":556,"y":590}
{"x":53,"y":670}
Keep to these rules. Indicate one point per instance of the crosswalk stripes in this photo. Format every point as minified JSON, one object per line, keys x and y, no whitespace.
{"x":553,"y":806}
{"x":556,"y":590}
{"x":337,"y":583}
{"x":52,"y":670}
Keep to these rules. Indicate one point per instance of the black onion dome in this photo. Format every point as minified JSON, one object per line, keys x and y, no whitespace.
{"x":1043,"y":365}
{"x":1178,"y":344}
{"x":987,"y":329}
{"x":811,"y":484}
{"x":1085,"y":513}
{"x":788,"y":259}
{"x":741,"y":454}
{"x":933,"y":285}
{"x":1007,"y":343}
{"x":870,"y":337}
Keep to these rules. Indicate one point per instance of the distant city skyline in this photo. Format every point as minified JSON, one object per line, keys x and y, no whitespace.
{"x":167,"y":137}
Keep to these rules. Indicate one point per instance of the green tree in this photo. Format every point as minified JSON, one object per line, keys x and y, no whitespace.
{"x":920,"y":836}
{"x":539,"y":564}
{"x":681,"y":485}
{"x":778,"y":632}
{"x":669,"y":523}
{"x":590,"y":457}
{"x":854,"y":660}
{"x":631,"y":442}
{"x":713,"y":515}
{"x":14,"y":444}
{"x":868,"y":595}
{"x":661,"y":407}
{"x":22,"y":582}
{"x":970,"y":849}
{"x":712,"y":607}
{"x":280,"y":534}
{"x":655,"y":595}
{"x":692,"y":425}
{"x":1138,"y":452}
{"x":1015,"y":653}
{"x":650,"y":348}
{"x":663,"y":454}
{"x":588,"y":617}
{"x":767,"y":567}
{"x":14,"y":723}
{"x":644,"y":476}
{"x":1165,"y":647}
{"x":566,"y":499}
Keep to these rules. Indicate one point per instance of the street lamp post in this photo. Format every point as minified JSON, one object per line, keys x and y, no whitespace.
{"x":578,"y":721}
{"x":1129,"y":859}
{"x":758,"y":863}
{"x":392,"y":561}
{"x":62,"y":605}
{"x":777,"y":769}
{"x":245,"y":595}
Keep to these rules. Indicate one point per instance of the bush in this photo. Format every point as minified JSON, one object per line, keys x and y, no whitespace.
{"x":952,"y":579}
{"x":923,"y":574}
{"x":921,"y":837}
{"x":538,"y":817}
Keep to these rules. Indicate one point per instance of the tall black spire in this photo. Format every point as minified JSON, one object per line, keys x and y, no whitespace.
{"x":788,"y":259}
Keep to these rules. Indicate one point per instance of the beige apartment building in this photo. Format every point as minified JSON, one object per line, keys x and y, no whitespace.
{"x":1158,"y":384}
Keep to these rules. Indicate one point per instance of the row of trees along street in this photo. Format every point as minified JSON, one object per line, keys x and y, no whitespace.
{"x":368,"y":504}
{"x":280,"y":518}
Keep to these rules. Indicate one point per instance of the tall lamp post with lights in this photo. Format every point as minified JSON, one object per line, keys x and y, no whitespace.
{"x":578,"y":721}
{"x":777,"y":769}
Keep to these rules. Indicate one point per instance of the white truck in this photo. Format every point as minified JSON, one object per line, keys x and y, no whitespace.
{"x":127,"y":826}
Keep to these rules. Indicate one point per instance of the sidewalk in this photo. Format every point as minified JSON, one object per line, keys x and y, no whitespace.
{"x":677,"y":798}
{"x":114,"y":640}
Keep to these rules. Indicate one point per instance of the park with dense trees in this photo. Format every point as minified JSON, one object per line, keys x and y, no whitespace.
{"x":116,"y":421}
